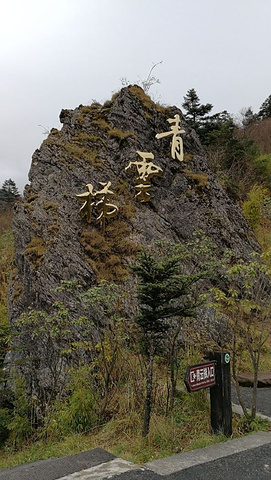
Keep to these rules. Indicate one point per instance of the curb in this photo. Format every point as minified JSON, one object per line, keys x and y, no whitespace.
{"x":239,"y":411}
{"x":182,"y":461}
{"x":104,"y":470}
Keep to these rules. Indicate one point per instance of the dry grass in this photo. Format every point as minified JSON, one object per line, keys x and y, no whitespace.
{"x":186,"y":428}
{"x":6,"y":215}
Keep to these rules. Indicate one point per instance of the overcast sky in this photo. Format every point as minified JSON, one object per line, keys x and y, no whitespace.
{"x":58,"y":54}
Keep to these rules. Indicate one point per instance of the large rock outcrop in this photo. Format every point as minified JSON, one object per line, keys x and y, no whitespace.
{"x":95,"y":144}
{"x":54,"y":243}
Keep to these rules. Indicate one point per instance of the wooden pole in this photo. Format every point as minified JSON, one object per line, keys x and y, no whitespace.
{"x":220,"y":395}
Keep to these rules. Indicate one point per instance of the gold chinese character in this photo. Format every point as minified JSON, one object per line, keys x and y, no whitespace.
{"x":177,"y":142}
{"x":145,"y":170}
{"x":99,"y":202}
{"x":87,"y":198}
{"x":104,"y":209}
{"x":143,"y":194}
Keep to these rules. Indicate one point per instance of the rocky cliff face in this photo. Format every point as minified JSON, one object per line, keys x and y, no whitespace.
{"x":94,"y":154}
{"x":96,"y":143}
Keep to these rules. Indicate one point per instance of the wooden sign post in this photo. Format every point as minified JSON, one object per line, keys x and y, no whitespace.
{"x":215,"y":375}
{"x":220,"y":395}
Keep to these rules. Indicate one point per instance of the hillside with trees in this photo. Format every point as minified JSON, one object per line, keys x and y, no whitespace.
{"x":239,"y":153}
{"x":102,"y":318}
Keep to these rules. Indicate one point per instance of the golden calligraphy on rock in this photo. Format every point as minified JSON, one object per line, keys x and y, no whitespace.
{"x":88,"y":203}
{"x":98,"y":201}
{"x":177,"y":141}
{"x":145,"y":171}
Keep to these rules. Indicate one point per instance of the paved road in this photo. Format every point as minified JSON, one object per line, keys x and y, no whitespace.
{"x":53,"y":469}
{"x":242,"y":458}
{"x":263,"y":399}
{"x":248,"y":465}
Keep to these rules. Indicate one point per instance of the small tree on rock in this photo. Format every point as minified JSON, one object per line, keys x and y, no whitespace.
{"x":165,"y":293}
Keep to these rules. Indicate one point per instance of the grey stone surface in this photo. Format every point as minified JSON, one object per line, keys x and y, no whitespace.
{"x":263,"y":399}
{"x":55,"y":468}
{"x":187,"y":198}
{"x":106,"y":470}
{"x":176,"y":463}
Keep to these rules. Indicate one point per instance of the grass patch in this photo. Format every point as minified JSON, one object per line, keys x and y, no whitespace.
{"x":200,"y":179}
{"x":186,"y":428}
{"x":35,"y":251}
{"x":106,"y":253}
{"x":77,"y":152}
{"x":145,"y":99}
{"x":113,"y":132}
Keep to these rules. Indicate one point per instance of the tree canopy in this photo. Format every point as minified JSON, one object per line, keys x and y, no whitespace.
{"x":9,"y":192}
{"x":195,"y":111}
{"x":265,"y":109}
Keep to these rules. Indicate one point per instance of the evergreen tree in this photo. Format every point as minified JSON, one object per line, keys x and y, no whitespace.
{"x":214,"y":125}
{"x":165,"y":293}
{"x":265,"y":109}
{"x":248,"y":116}
{"x":158,"y":287}
{"x":9,"y":192}
{"x":195,"y":111}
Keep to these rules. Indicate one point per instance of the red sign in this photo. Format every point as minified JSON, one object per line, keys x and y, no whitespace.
{"x":200,"y":376}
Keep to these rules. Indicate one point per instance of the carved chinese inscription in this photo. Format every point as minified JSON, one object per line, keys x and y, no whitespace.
{"x":177,"y":141}
{"x":104,"y":208}
{"x":145,"y":171}
{"x":88,"y":203}
{"x":99,"y":201}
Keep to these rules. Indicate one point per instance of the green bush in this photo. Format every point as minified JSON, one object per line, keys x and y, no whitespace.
{"x":78,"y":412}
{"x":253,"y":207}
{"x":4,"y":421}
{"x":263,"y":168}
{"x":20,"y":426}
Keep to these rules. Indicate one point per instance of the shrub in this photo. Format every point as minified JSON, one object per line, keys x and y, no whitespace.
{"x":254,"y":205}
{"x":20,"y":426}
{"x":79,"y":412}
{"x":4,"y":420}
{"x":263,"y":167}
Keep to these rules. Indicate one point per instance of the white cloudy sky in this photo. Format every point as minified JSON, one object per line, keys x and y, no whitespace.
{"x":58,"y":54}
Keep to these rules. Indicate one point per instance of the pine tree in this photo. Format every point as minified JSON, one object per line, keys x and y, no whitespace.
{"x":164,"y":293}
{"x":265,"y":109}
{"x":195,"y":111}
{"x":9,"y":192}
{"x":248,"y":117}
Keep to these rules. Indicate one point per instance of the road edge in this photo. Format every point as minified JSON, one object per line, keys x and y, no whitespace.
{"x":182,"y":461}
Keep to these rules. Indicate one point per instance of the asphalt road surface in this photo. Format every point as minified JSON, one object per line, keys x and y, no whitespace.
{"x":53,"y":469}
{"x":263,"y":399}
{"x":248,"y":465}
{"x":252,"y":464}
